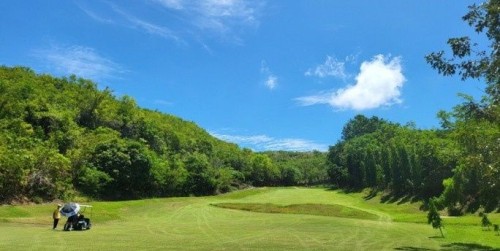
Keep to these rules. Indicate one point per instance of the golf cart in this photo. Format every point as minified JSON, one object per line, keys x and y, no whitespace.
{"x":76,"y":218}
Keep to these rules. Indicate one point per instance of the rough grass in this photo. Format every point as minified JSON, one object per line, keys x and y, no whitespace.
{"x":311,"y":209}
{"x":192,"y":224}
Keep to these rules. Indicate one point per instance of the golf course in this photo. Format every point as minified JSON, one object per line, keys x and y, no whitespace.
{"x":254,"y":219}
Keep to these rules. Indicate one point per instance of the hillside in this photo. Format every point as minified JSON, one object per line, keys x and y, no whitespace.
{"x":60,"y":137}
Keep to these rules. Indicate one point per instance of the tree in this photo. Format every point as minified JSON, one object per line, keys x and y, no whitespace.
{"x":370,"y":169}
{"x":201,"y":178}
{"x":401,"y":160}
{"x":485,"y":222}
{"x":337,"y":170}
{"x":264,"y":172}
{"x":90,"y":102}
{"x":433,"y":217}
{"x":125,"y":167}
{"x":386,"y":160}
{"x":476,"y":179}
{"x":290,"y":175}
{"x":469,"y":62}
{"x":361,"y":125}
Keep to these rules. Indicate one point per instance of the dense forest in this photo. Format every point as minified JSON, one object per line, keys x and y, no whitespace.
{"x":63,"y":137}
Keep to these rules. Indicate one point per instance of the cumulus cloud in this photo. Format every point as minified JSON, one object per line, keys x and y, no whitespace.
{"x":79,"y":60}
{"x":266,"y":143}
{"x":378,"y":83}
{"x":271,"y":80}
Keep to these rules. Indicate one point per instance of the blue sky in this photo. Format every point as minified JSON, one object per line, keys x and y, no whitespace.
{"x":267,"y":75}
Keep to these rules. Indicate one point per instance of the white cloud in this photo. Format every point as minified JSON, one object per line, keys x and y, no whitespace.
{"x":266,"y":143}
{"x":148,"y":27}
{"x":152,"y":28}
{"x":219,"y":16}
{"x":163,"y":102}
{"x":271,"y":80}
{"x":331,"y":68}
{"x":225,"y":19}
{"x":95,"y":16}
{"x":378,"y":83}
{"x":128,"y":20}
{"x":172,"y":4}
{"x":79,"y":60}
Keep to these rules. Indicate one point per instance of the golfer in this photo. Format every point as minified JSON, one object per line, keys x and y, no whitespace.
{"x":56,"y":216}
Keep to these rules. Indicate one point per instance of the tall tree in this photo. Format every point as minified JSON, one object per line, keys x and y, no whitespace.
{"x":476,"y":179}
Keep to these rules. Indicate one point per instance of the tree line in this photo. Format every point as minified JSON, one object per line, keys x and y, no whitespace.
{"x":386,"y":156}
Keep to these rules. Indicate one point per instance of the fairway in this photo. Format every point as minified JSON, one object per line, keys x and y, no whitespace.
{"x":194,"y":223}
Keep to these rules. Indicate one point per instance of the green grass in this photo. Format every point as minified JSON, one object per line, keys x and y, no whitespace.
{"x":193,"y":224}
{"x":312,"y":209}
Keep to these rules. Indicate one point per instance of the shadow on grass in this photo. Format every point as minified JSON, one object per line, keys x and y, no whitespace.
{"x":391,"y":198}
{"x":385,"y":198}
{"x":413,"y":249}
{"x":467,"y":246}
{"x":408,"y":198}
{"x":398,"y":198}
{"x":371,"y":195}
{"x":454,"y":247}
{"x":344,"y":190}
{"x":436,"y":237}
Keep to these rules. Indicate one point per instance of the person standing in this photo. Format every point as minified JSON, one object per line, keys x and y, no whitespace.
{"x":56,"y":216}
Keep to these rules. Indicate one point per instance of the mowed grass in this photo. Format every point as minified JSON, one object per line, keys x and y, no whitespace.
{"x":195,"y":224}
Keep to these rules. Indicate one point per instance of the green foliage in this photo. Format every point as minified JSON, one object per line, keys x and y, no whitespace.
{"x":124,"y":167}
{"x":485,"y":222}
{"x":201,"y":179}
{"x":62,"y":136}
{"x":360,"y":125}
{"x":299,"y":168}
{"x":474,"y":125}
{"x":467,"y":60}
{"x":433,"y":217}
{"x":264,"y":172}
{"x":397,"y":158}
{"x":35,"y":171}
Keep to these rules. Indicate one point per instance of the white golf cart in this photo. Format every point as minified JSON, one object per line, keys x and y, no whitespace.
{"x":76,"y":218}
